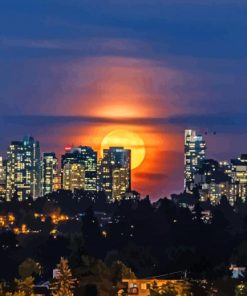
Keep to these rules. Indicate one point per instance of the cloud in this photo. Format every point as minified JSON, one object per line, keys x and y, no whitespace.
{"x":181,"y":28}
{"x":201,"y":120}
{"x":83,"y":45}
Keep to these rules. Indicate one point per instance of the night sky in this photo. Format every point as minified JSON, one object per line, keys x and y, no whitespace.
{"x":73,"y":70}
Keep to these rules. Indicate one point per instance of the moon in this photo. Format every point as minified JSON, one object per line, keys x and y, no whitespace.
{"x":128,"y":140}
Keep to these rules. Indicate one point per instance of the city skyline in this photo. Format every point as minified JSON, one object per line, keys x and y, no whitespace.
{"x":123,"y":147}
{"x":30,"y":172}
{"x":73,"y":73}
{"x":27,"y":173}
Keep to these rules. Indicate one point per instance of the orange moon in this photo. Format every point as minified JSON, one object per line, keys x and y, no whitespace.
{"x":128,"y":140}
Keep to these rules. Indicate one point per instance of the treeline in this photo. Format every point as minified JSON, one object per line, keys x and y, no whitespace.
{"x":150,"y":238}
{"x":92,"y":277}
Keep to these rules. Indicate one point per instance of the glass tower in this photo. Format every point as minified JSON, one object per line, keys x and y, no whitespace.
{"x":89,"y":159}
{"x":115,"y":172}
{"x":23,"y":169}
{"x":194,"y":154}
{"x":86,"y":160}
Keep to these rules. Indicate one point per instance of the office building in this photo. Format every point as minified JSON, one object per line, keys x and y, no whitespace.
{"x":229,"y":179}
{"x":84,"y":159}
{"x":212,"y":181}
{"x":89,"y":160}
{"x":23,"y":169}
{"x":114,"y":176}
{"x":2,"y":178}
{"x":49,"y":172}
{"x":194,"y":154}
{"x":73,"y":176}
{"x":238,"y":174}
{"x":57,"y":181}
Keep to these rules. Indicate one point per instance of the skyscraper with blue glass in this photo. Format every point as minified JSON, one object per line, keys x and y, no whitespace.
{"x":194,"y":154}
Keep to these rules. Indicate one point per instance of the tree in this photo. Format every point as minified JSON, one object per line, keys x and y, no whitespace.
{"x":241,"y":290}
{"x":154,"y":289}
{"x":24,"y":287}
{"x":171,"y":288}
{"x":239,"y":256}
{"x":1,"y":289}
{"x":204,"y":288}
{"x":198,"y":212}
{"x":91,"y":290}
{"x":93,"y":275}
{"x":120,"y":271}
{"x":28,"y":268}
{"x":77,"y":250}
{"x":15,"y":294}
{"x":167,"y":289}
{"x":139,"y":258}
{"x":64,"y":283}
{"x":91,"y":233}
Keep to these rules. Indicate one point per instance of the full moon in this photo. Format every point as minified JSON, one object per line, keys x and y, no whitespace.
{"x":128,"y":140}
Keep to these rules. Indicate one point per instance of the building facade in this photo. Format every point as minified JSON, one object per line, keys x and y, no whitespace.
{"x":114,"y":176}
{"x":194,"y":154}
{"x":238,"y":174}
{"x":79,"y":166}
{"x":216,"y":179}
{"x":49,"y":173}
{"x":73,"y":176}
{"x":23,"y":169}
{"x":3,"y":177}
{"x":212,"y":181}
{"x":89,"y":159}
{"x":152,"y":286}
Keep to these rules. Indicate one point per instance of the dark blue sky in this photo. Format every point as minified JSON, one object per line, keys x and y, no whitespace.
{"x":174,"y":64}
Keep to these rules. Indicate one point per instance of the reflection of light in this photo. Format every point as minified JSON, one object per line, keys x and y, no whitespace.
{"x":128,"y":140}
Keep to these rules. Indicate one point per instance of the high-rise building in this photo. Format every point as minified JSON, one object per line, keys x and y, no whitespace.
{"x":89,"y":159}
{"x":49,"y":173}
{"x":84,"y":159}
{"x":239,"y":176}
{"x":114,"y":176}
{"x":23,"y":169}
{"x":57,"y":181}
{"x":212,"y":181}
{"x":2,"y":178}
{"x":73,"y":176}
{"x":194,"y":154}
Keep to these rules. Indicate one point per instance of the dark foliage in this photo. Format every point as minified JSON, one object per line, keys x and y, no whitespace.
{"x":150,"y":238}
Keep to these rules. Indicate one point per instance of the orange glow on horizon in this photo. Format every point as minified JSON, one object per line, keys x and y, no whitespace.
{"x":117,"y":87}
{"x":128,"y":140}
{"x":162,"y":156}
{"x":116,"y":92}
